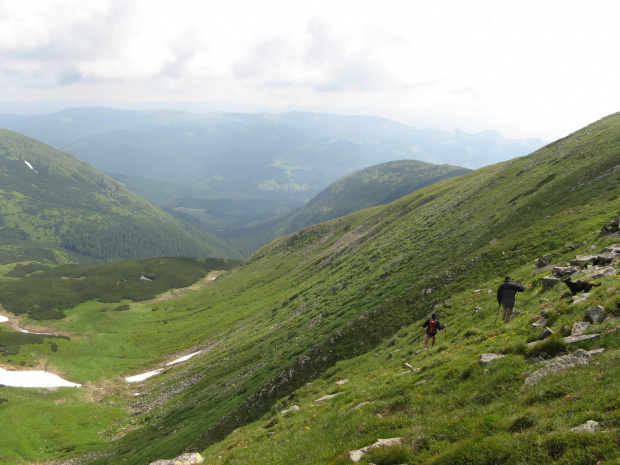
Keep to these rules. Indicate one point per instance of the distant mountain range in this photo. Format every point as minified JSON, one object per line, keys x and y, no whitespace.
{"x":56,"y":208}
{"x":229,"y":172}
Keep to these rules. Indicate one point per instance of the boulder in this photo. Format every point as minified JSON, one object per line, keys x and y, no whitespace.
{"x":185,"y":459}
{"x":548,"y":282}
{"x":589,"y":426}
{"x":545,"y":333}
{"x":293,"y":408}
{"x":596,"y":314}
{"x":580,"y":297}
{"x":543,"y":261}
{"x":612,"y":248}
{"x":356,"y":455}
{"x":564,"y":270}
{"x":582,"y":260}
{"x":579,"y":328}
{"x":576,"y":339}
{"x":485,"y":359}
{"x":541,"y":322}
{"x":327,"y":397}
{"x":604,"y":258}
{"x":601,"y":272}
{"x":580,"y":357}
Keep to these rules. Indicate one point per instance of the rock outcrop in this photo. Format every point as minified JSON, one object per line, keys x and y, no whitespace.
{"x":580,"y":357}
{"x":356,"y":455}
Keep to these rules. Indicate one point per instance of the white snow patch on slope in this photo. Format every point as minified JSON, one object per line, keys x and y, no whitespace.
{"x":30,"y":166}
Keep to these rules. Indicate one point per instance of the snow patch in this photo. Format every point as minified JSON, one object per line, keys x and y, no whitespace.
{"x":33,"y":379}
{"x":143,"y":376}
{"x":30,"y":166}
{"x":182,"y":359}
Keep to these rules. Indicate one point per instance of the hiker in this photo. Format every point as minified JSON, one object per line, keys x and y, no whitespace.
{"x":432,"y":325}
{"x":507,"y":296}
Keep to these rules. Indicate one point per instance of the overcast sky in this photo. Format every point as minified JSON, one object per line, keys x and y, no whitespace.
{"x":527,"y":68}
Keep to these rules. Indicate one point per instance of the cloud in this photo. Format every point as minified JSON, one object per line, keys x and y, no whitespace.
{"x":57,"y":43}
{"x":320,"y":60}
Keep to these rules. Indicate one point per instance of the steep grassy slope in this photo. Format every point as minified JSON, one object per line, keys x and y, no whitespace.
{"x":336,"y":290}
{"x":58,"y":209}
{"x":306,"y":306}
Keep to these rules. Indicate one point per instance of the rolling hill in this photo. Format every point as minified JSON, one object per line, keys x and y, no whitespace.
{"x":58,"y":209}
{"x":325,"y":318}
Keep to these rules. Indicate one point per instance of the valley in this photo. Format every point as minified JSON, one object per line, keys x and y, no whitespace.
{"x":325,"y":319}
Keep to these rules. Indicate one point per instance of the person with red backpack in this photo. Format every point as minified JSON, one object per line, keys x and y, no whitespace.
{"x":432,"y":325}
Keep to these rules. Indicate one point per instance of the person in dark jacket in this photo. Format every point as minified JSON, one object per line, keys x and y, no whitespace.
{"x":507,"y":296}
{"x":432,"y":325}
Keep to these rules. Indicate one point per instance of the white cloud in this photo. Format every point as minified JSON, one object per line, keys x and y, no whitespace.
{"x":526,"y":68}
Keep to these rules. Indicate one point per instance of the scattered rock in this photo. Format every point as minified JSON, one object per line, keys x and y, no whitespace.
{"x":549,"y":282}
{"x":601,"y":272}
{"x":293,"y":408}
{"x":406,"y":365}
{"x":485,"y":359}
{"x":515,"y":313}
{"x":185,"y":459}
{"x":541,"y":322}
{"x":327,"y":397}
{"x":342,"y":381}
{"x":580,"y":357}
{"x":576,"y":339}
{"x":356,"y":455}
{"x":596,"y":352}
{"x":589,"y":426}
{"x":582,"y":260}
{"x":581,"y":297}
{"x":545,"y":333}
{"x":564,"y":270}
{"x":596,"y":314}
{"x":579,"y":328}
{"x":543,"y":261}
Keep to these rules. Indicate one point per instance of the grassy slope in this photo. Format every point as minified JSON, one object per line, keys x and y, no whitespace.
{"x":288,"y":304}
{"x":338,"y":290}
{"x":63,"y":210}
{"x":369,"y":187}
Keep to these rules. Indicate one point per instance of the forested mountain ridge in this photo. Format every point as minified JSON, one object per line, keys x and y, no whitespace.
{"x":59,"y":209}
{"x":345,"y":300}
{"x":188,"y":164}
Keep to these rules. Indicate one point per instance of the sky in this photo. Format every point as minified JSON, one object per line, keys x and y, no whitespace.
{"x":525,"y":68}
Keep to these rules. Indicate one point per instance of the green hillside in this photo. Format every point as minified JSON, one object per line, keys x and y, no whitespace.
{"x":58,"y":209}
{"x":329,"y":303}
{"x":369,"y":187}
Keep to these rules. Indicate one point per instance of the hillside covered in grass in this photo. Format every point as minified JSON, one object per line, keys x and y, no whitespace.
{"x":365,"y":188}
{"x":55,"y":208}
{"x":331,"y":302}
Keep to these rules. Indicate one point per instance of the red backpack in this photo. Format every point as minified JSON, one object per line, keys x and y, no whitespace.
{"x":432,"y":326}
